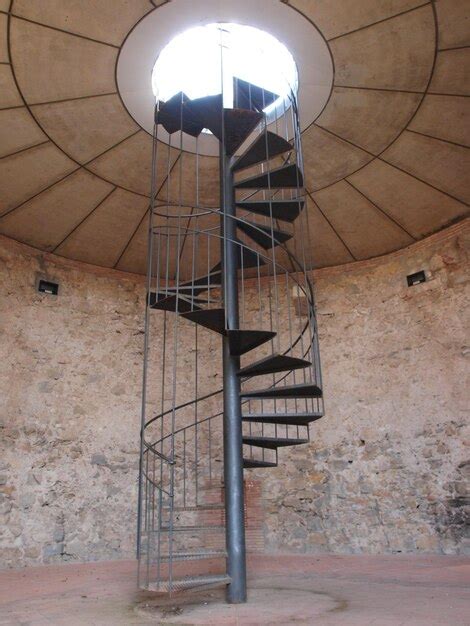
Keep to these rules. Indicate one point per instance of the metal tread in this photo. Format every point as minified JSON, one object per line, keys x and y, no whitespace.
{"x":272,"y":364}
{"x":213,"y":319}
{"x":253,"y":463}
{"x":189,"y":582}
{"x":191,"y":529}
{"x":176,"y":114}
{"x":175,"y":303}
{"x":264,"y":236}
{"x":266,"y":146}
{"x":248,"y":258}
{"x":242,"y":341}
{"x":194,"y":556}
{"x":195,"y":507}
{"x":238,"y":123}
{"x":294,"y":419}
{"x":201,"y":283}
{"x":272,"y":443}
{"x":251,"y":97}
{"x":238,"y":126}
{"x":304,"y":390}
{"x":285,"y":210}
{"x":284,"y":177}
{"x":192,"y":116}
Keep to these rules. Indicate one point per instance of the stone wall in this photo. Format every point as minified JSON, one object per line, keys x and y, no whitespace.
{"x":70,"y":375}
{"x":388,"y":466}
{"x":385,"y":470}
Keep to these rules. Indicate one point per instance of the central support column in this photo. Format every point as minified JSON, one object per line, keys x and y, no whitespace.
{"x":233,"y":449}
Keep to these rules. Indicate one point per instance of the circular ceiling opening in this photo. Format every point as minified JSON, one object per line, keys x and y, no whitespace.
{"x":205,"y":60}
{"x":260,"y":58}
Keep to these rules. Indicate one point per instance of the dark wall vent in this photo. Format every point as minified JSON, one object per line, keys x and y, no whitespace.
{"x":46,"y":286}
{"x":416,"y":278}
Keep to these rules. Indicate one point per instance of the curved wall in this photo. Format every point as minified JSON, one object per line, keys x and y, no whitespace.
{"x":385,"y":470}
{"x":388,"y":466}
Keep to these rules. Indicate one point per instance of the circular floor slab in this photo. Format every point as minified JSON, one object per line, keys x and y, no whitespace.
{"x":266,"y":605}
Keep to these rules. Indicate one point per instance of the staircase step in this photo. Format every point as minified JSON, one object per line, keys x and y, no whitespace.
{"x":213,"y":319}
{"x":287,"y":176}
{"x":195,"y":556}
{"x":242,"y":341}
{"x":304,"y":390}
{"x":211,"y":279}
{"x":249,"y":96}
{"x":249,"y":258}
{"x":176,"y":304}
{"x":196,"y":507}
{"x":176,"y":113}
{"x":272,"y":364}
{"x":207,"y":110}
{"x":266,"y":146}
{"x":263,"y":235}
{"x":189,"y":582}
{"x":155,"y":297}
{"x":272,"y":442}
{"x":239,"y":123}
{"x":253,"y":463}
{"x":285,"y":210}
{"x":287,"y":419}
{"x":192,"y":116}
{"x":193,"y":529}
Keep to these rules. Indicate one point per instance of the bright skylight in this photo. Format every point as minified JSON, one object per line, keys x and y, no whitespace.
{"x":191,"y":63}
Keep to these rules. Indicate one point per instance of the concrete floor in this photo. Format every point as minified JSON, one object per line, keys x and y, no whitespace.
{"x":396,"y":590}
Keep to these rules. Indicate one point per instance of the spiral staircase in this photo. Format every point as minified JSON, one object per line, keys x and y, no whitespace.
{"x":264,"y":312}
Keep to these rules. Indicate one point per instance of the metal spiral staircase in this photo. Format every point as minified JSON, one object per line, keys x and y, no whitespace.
{"x":233,"y":276}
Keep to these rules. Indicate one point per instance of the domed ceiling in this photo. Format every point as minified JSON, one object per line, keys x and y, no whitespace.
{"x":386,"y":160}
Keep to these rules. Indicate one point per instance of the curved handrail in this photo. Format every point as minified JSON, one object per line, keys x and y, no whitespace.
{"x":241,"y":243}
{"x":306,"y":289}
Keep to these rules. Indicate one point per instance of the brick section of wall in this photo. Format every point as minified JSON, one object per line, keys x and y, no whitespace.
{"x":254,"y":515}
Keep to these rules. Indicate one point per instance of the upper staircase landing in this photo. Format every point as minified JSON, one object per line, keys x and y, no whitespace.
{"x":231,"y":126}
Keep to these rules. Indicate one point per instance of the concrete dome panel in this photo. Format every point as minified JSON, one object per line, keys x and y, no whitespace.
{"x":134,"y":257}
{"x":384,"y":55}
{"x":98,"y":19}
{"x":453,"y":19}
{"x":337,"y":17}
{"x":87,"y":127}
{"x":18,"y":131}
{"x":368,"y":118}
{"x":436,"y":162}
{"x":9,"y":95}
{"x":354,"y":218}
{"x":444,"y":117}
{"x":28,"y":173}
{"x":451,"y":73}
{"x":395,"y":54}
{"x":102,"y":236}
{"x":209,"y":193}
{"x":417,"y":206}
{"x":46,"y":220}
{"x":52,"y":65}
{"x":129,"y":164}
{"x":4,"y":56}
{"x":329,"y":249}
{"x":329,"y":159}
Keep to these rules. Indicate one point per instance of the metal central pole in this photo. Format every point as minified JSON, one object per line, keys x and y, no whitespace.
{"x":233,"y":453}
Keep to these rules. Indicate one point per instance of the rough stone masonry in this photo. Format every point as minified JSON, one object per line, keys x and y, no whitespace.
{"x":387,"y":468}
